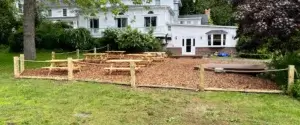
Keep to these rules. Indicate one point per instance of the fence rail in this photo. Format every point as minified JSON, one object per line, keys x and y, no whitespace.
{"x":19,"y":67}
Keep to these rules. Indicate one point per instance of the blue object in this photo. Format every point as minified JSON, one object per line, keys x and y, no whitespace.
{"x":223,"y":54}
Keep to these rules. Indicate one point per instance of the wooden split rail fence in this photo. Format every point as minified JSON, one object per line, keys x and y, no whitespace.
{"x":19,"y":67}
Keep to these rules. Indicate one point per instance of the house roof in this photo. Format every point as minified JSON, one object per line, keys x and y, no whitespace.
{"x":217,"y":32}
{"x":204,"y":18}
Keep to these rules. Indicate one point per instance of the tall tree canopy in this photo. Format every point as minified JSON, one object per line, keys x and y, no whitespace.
{"x":276,"y":20}
{"x":221,"y":10}
{"x":268,"y":17}
{"x":86,"y":6}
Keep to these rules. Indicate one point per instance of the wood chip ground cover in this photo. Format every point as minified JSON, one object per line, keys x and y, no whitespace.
{"x":171,"y":72}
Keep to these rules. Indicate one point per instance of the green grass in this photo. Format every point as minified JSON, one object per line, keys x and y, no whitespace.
{"x":38,"y":102}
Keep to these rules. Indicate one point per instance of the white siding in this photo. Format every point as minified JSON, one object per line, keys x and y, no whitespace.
{"x":58,"y":12}
{"x":199,"y":33}
{"x":135,"y":19}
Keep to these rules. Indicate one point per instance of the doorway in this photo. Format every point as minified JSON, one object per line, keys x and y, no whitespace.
{"x":188,"y":46}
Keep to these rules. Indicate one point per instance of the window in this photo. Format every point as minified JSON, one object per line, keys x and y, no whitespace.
{"x":216,"y":39}
{"x":94,"y":23}
{"x":224,"y":39}
{"x":209,"y":40}
{"x":169,"y":28}
{"x":181,"y":22}
{"x":50,"y":13}
{"x":20,"y":7}
{"x":150,"y":21}
{"x":64,"y":12}
{"x":122,"y":22}
{"x":182,"y":42}
{"x":188,"y":22}
{"x":157,"y":2}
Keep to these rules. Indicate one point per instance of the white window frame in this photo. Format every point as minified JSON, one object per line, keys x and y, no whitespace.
{"x":223,"y":40}
{"x":121,"y":19}
{"x":145,"y":23}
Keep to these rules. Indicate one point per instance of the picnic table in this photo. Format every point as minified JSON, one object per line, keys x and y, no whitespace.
{"x":115,"y":67}
{"x":115,"y":54}
{"x":147,"y":59}
{"x":157,"y":56}
{"x":61,"y":64}
{"x":95,"y":56}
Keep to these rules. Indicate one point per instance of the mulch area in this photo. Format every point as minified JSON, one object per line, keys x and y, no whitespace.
{"x":171,"y":73}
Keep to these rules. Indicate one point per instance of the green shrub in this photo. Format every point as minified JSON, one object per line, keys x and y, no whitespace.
{"x":55,"y":36}
{"x":110,"y":36}
{"x":296,"y":89}
{"x":130,"y":40}
{"x":77,"y":39}
{"x":48,"y":35}
{"x":247,"y":45}
{"x":282,"y":62}
{"x":254,"y":56}
{"x":16,"y":41}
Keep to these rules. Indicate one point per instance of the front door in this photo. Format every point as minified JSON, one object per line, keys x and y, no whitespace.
{"x":188,"y":46}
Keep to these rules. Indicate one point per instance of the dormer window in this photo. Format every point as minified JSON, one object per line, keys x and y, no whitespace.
{"x":65,"y":12}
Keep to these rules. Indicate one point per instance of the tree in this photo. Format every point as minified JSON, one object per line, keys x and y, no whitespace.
{"x":8,"y":21}
{"x":86,"y":7}
{"x":221,"y":10}
{"x":269,"y":20}
{"x":29,"y":29}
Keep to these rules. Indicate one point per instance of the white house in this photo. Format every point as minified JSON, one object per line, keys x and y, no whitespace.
{"x":182,"y":34}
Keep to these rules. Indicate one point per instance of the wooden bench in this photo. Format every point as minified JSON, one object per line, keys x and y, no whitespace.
{"x":61,"y":68}
{"x":62,"y":65}
{"x":146,"y":59}
{"x":118,"y":65}
{"x":95,"y":57}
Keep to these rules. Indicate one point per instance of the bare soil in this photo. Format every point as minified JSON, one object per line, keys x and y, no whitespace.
{"x":171,"y":72}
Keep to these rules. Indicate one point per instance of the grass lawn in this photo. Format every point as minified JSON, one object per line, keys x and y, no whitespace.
{"x":37,"y":102}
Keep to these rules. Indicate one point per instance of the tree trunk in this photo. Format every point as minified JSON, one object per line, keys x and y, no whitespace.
{"x":29,"y":29}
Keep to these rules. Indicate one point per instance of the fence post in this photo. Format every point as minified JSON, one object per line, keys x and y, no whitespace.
{"x":77,"y":53}
{"x":95,"y":50}
{"x":132,"y":74}
{"x":291,"y":78}
{"x":53,"y":55}
{"x":70,"y":69}
{"x":22,"y":63}
{"x":16,"y":67}
{"x":201,"y":83}
{"x":107,"y":47}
